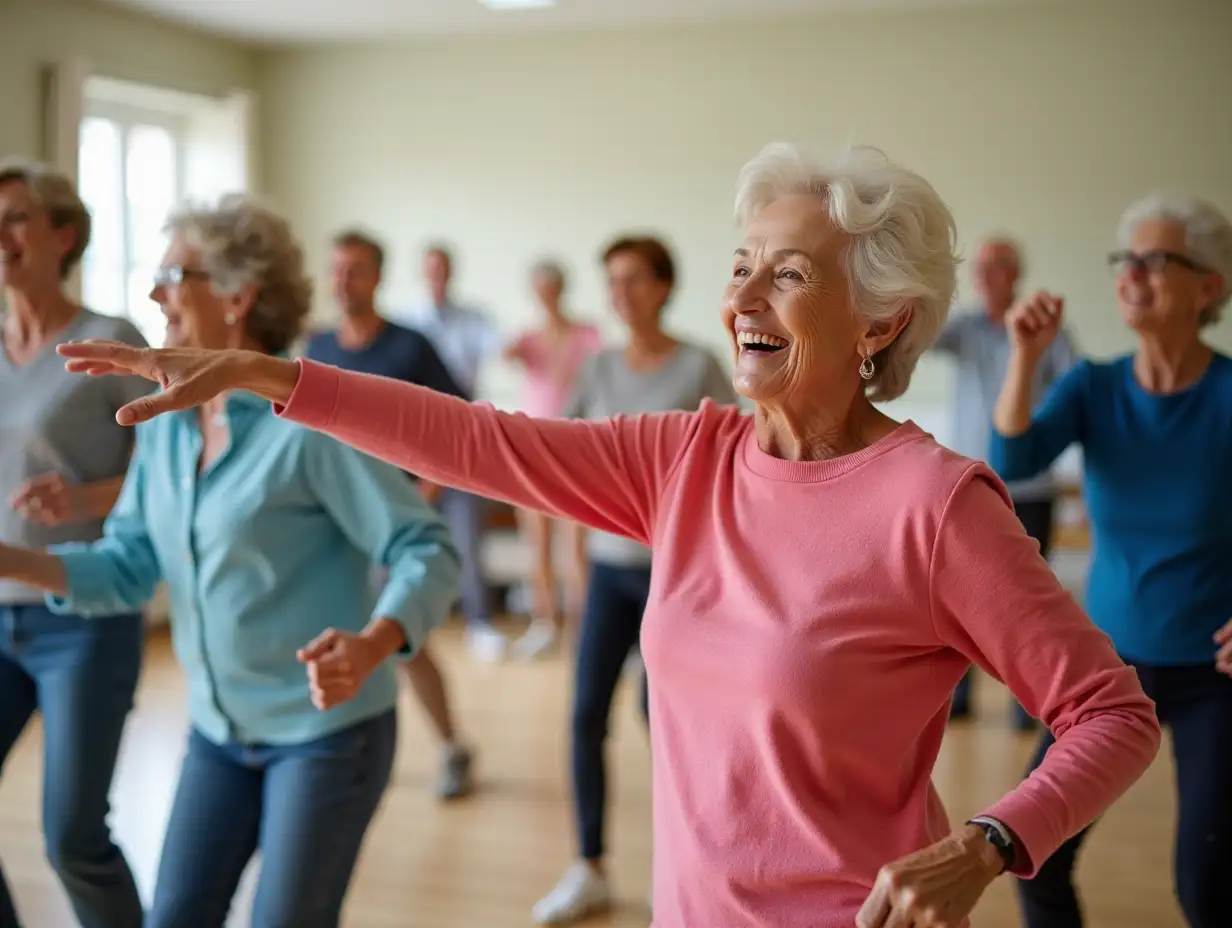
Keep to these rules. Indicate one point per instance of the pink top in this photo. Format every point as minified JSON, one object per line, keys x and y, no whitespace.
{"x":551,"y":367}
{"x":807,"y":624}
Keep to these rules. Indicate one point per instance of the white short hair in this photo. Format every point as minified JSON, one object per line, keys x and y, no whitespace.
{"x":243,"y":242}
{"x":902,"y":251}
{"x":1208,"y":238}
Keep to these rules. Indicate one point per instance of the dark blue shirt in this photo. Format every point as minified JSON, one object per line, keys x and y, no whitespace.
{"x":1156,"y":471}
{"x":398,"y":353}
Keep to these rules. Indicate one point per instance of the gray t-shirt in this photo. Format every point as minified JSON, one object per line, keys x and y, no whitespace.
{"x":606,"y":387}
{"x":52,"y":421}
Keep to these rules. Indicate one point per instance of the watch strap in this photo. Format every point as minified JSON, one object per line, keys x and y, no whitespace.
{"x":999,"y":837}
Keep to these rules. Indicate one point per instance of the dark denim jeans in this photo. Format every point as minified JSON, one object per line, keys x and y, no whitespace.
{"x":304,"y":807}
{"x":1196,"y":704}
{"x":611,"y":624}
{"x":80,"y":674}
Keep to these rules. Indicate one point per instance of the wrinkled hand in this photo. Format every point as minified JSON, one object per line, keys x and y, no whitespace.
{"x":936,"y":887}
{"x":1223,"y":658}
{"x":1034,"y":322}
{"x":338,"y":664}
{"x":48,"y":500}
{"x":188,"y":376}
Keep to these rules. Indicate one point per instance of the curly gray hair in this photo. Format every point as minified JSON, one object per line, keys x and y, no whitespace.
{"x":901,"y":254}
{"x":244,"y":243}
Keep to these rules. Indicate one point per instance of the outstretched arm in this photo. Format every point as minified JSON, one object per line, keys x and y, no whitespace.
{"x":608,"y":475}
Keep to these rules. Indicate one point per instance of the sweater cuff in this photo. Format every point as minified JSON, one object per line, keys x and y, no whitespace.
{"x":315,"y":398}
{"x":1035,"y":841}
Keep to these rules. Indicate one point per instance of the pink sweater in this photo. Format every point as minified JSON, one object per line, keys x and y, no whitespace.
{"x":807,"y":624}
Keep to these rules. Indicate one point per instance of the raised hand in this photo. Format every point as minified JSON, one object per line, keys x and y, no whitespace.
{"x":1034,"y":323}
{"x":188,"y":376}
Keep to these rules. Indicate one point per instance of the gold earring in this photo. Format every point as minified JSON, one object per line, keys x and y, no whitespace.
{"x":867,"y":368}
{"x":229,"y":318}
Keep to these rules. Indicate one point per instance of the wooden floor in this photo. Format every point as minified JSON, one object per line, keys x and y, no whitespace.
{"x":484,"y":862}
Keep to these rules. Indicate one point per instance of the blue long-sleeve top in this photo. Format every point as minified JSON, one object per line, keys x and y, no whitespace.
{"x":1156,"y":471}
{"x":269,"y":545}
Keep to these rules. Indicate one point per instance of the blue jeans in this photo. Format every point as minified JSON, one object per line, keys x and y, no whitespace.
{"x":80,"y":674}
{"x":615,"y":601}
{"x":304,"y":807}
{"x":1196,"y":704}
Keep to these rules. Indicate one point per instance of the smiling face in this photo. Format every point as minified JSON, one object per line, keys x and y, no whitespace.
{"x":788,"y":308}
{"x":637,"y":295}
{"x":197,"y":317}
{"x":1158,"y":288}
{"x":31,"y":248}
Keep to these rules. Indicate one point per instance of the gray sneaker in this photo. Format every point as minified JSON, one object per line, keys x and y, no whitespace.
{"x":456,"y":781}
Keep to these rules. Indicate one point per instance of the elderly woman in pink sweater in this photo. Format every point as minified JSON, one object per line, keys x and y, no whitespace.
{"x":823,"y":577}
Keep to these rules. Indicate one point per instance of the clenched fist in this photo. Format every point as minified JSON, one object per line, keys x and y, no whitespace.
{"x":1034,"y":323}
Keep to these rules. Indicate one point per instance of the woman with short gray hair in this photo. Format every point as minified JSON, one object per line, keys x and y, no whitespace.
{"x":265,"y":533}
{"x":1155,"y":428}
{"x":823,"y":575}
{"x":62,"y":462}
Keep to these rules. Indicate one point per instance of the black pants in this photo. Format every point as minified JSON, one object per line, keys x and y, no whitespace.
{"x":1036,"y":518}
{"x":1196,"y":704}
{"x":610,"y":628}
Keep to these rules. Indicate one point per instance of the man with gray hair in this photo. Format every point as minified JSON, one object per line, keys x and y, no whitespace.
{"x":979,"y":344}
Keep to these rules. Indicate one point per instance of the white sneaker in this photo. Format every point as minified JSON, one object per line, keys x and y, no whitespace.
{"x":487,"y":645}
{"x":537,"y":640}
{"x":580,"y":892}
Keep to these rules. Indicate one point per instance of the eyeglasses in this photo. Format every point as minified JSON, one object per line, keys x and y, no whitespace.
{"x":176,"y":274}
{"x":1152,"y":262}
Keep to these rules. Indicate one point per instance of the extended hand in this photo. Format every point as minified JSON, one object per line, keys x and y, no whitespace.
{"x":338,"y":664}
{"x":188,"y":376}
{"x":1223,"y":638}
{"x":47,"y":499}
{"x":936,"y":887}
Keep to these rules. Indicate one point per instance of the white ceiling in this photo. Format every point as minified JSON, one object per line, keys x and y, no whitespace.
{"x":279,"y":21}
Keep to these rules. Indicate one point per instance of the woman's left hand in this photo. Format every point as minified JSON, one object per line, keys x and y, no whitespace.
{"x":338,"y":664}
{"x":1223,"y":658}
{"x":936,"y":887}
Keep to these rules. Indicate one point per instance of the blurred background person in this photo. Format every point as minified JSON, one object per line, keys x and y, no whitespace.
{"x":1155,"y":428}
{"x":550,"y":357}
{"x":466,"y":340}
{"x":62,"y":463}
{"x":979,"y":345}
{"x":265,"y":533}
{"x":653,"y":372}
{"x":365,"y":341}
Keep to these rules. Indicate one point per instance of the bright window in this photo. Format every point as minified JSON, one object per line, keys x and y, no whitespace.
{"x":130,"y":171}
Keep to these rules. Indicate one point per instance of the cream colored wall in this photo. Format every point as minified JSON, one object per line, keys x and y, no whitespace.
{"x":1043,"y":121}
{"x":36,"y":33}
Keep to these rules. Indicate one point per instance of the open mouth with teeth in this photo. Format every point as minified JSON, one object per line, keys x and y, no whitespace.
{"x":760,"y":342}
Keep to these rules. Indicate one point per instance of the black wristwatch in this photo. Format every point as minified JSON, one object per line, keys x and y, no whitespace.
{"x":999,"y":837}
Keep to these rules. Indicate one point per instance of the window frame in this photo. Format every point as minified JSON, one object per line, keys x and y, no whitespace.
{"x":127,"y":117}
